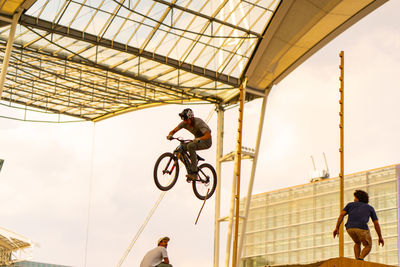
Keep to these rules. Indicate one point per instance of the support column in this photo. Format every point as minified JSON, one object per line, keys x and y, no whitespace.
{"x":220,"y":139}
{"x":7,"y":53}
{"x":253,"y":171}
{"x":398,"y":206}
{"x":230,"y":220}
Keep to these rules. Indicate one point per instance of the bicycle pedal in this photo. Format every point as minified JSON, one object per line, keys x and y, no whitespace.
{"x":190,"y":178}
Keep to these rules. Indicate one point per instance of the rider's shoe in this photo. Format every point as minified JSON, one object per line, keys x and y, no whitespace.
{"x":191,"y":177}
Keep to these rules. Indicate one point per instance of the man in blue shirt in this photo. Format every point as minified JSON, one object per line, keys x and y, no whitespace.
{"x":359,"y":213}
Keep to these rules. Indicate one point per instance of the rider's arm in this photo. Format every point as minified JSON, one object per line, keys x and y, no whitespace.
{"x":171,"y":133}
{"x":206,"y":136}
{"x":166,"y":260}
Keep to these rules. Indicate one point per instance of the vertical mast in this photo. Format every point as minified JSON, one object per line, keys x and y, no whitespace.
{"x":341,"y":149}
{"x":242,"y":90}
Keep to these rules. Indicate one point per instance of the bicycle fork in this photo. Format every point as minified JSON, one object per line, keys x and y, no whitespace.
{"x":167,"y":167}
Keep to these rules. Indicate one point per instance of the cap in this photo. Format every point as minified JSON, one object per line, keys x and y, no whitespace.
{"x":161,"y":239}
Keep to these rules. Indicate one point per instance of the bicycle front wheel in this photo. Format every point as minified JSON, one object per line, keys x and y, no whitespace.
{"x":206,"y":182}
{"x":166,"y":171}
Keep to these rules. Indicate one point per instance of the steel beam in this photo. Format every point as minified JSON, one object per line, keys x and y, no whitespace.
{"x":252,"y":175}
{"x":9,"y":48}
{"x":217,"y":221}
{"x":211,"y":19}
{"x":29,"y":21}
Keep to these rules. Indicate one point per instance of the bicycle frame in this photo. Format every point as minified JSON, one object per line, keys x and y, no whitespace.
{"x":183,"y":155}
{"x":165,"y":176}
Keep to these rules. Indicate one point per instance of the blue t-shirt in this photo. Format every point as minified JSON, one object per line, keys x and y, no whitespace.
{"x":359,"y":213}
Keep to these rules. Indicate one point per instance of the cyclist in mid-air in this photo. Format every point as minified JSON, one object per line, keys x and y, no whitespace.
{"x":202,"y":140}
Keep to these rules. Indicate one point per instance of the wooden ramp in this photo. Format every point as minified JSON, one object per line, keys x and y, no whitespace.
{"x":337,"y":262}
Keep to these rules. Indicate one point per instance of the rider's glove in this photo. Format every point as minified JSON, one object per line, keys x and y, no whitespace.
{"x":169,"y":137}
{"x":196,"y":140}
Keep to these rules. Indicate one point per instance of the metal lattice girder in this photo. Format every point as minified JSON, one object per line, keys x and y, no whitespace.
{"x":11,"y":242}
{"x":50,"y":28}
{"x":121,"y":55}
{"x":124,"y":55}
{"x":172,"y":5}
{"x":40,"y":80}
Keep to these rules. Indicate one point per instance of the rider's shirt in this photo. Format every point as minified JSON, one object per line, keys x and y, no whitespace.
{"x":199,"y":127}
{"x":154,"y":257}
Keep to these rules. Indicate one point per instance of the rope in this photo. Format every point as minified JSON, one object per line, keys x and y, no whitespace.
{"x":210,"y":115}
{"x":90,"y":195}
{"x":204,"y":202}
{"x":141,"y":229}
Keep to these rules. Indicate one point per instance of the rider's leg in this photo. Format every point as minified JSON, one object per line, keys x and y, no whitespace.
{"x":192,"y":147}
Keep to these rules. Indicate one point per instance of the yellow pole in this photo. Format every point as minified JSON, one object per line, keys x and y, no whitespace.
{"x":9,"y":48}
{"x":220,"y":139}
{"x":341,"y":149}
{"x":239,"y":161}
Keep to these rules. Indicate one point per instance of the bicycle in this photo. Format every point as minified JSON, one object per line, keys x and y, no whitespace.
{"x":166,"y":172}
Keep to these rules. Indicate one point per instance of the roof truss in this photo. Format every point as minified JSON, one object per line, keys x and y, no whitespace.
{"x":50,"y":28}
{"x":96,"y":59}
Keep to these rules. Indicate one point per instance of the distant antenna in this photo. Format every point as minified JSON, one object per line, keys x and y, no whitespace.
{"x":326,"y":166}
{"x":316,"y":174}
{"x":313,"y":163}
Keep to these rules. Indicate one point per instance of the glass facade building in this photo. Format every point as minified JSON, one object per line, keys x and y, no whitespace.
{"x":295,"y":225}
{"x":33,"y":264}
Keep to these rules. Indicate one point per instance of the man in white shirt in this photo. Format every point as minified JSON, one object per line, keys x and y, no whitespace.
{"x":157,"y":256}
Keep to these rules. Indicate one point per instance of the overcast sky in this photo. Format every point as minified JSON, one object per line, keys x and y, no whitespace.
{"x":47,"y":182}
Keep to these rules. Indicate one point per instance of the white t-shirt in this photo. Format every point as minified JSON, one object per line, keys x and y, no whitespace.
{"x":154,"y":257}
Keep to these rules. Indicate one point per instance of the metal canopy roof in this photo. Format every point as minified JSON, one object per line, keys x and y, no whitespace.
{"x":9,"y":243}
{"x":94,"y":59}
{"x":298,"y":30}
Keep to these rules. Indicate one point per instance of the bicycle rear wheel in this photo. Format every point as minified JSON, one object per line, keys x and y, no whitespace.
{"x":207,"y":181}
{"x":166,"y":171}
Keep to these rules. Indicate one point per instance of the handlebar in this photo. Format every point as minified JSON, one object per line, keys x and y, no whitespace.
{"x":180,"y":139}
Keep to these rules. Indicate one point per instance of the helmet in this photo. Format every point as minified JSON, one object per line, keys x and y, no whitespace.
{"x":187,"y":113}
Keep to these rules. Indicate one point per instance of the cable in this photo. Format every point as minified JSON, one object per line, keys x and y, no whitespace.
{"x":141,"y":229}
{"x":210,"y":115}
{"x":90,"y":195}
